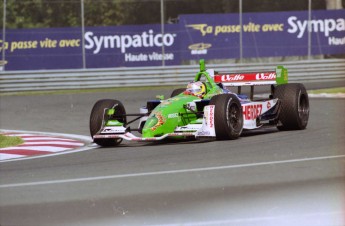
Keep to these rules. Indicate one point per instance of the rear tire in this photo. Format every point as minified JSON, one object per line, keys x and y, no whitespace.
{"x":294,"y":112}
{"x":228,"y":116}
{"x":96,"y":119}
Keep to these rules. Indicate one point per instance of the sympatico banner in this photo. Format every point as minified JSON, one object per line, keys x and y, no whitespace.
{"x":208,"y":36}
{"x":122,"y":46}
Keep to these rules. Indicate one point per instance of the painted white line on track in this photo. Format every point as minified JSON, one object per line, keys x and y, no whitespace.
{"x":7,"y":157}
{"x":85,"y":139}
{"x":14,"y":133}
{"x":308,"y":219}
{"x":85,"y":179}
{"x":46,"y":138}
{"x":41,"y":148}
{"x":86,"y":148}
{"x":52,"y":142}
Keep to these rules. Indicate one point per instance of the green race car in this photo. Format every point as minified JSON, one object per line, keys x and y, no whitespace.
{"x":206,"y":108}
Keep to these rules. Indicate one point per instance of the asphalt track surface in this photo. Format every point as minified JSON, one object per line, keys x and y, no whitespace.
{"x":263,"y":178}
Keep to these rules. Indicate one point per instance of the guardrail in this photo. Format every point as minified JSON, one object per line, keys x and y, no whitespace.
{"x":299,"y":71}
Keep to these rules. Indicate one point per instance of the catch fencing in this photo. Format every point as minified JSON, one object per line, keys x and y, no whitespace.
{"x":326,"y":70}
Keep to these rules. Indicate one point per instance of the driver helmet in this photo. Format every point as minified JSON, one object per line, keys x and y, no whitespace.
{"x":197,"y":89}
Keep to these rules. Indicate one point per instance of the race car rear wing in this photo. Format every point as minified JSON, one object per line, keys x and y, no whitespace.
{"x":279,"y":76}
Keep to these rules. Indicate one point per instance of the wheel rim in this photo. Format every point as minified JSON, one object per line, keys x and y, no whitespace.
{"x":303,"y":109}
{"x":234,"y":120}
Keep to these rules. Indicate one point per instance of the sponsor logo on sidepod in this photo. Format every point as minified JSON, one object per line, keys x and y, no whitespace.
{"x":251,"y":112}
{"x":211,"y":116}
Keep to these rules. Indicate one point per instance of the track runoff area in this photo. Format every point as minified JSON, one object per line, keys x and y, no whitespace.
{"x":43,"y":144}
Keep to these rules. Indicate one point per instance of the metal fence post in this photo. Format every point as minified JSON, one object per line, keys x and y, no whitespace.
{"x":162,"y":31}
{"x":83,"y":32}
{"x":241,"y":25}
{"x":309,"y":30}
{"x":4,"y":35}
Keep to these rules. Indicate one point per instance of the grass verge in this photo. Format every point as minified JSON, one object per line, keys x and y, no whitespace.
{"x":330,"y":91}
{"x":9,"y":141}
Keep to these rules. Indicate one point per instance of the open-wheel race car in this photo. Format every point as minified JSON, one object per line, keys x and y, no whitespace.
{"x":206,"y":108}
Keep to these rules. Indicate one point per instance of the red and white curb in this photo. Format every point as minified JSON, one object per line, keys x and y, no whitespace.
{"x":42,"y":144}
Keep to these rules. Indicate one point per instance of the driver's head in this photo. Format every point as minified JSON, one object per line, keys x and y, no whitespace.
{"x":196,"y":89}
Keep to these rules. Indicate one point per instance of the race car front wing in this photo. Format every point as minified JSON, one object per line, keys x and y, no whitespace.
{"x":206,"y":129}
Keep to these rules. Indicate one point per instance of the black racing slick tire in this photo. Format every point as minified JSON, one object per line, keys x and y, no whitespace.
{"x":98,"y":116}
{"x":294,"y":112}
{"x":177,"y":92}
{"x":228,"y":116}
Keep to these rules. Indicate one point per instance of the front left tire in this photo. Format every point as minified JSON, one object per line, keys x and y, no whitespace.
{"x":228,"y":116}
{"x":98,"y":117}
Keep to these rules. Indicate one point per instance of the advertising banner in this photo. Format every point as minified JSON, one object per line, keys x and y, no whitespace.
{"x":34,"y":49}
{"x":128,"y":46}
{"x":217,"y":36}
{"x":61,"y":48}
{"x":208,"y":36}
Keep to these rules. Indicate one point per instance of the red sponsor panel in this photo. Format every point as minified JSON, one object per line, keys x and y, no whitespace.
{"x":251,"y":112}
{"x":245,"y":77}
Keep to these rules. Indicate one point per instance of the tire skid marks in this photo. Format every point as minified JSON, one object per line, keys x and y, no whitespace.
{"x":38,"y":145}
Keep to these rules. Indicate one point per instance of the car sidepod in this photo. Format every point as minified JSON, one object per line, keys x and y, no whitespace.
{"x":258,"y":113}
{"x":169,"y":115}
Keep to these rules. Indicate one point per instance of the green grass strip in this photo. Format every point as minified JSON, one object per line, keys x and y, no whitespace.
{"x":10,"y":141}
{"x":330,"y":91}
